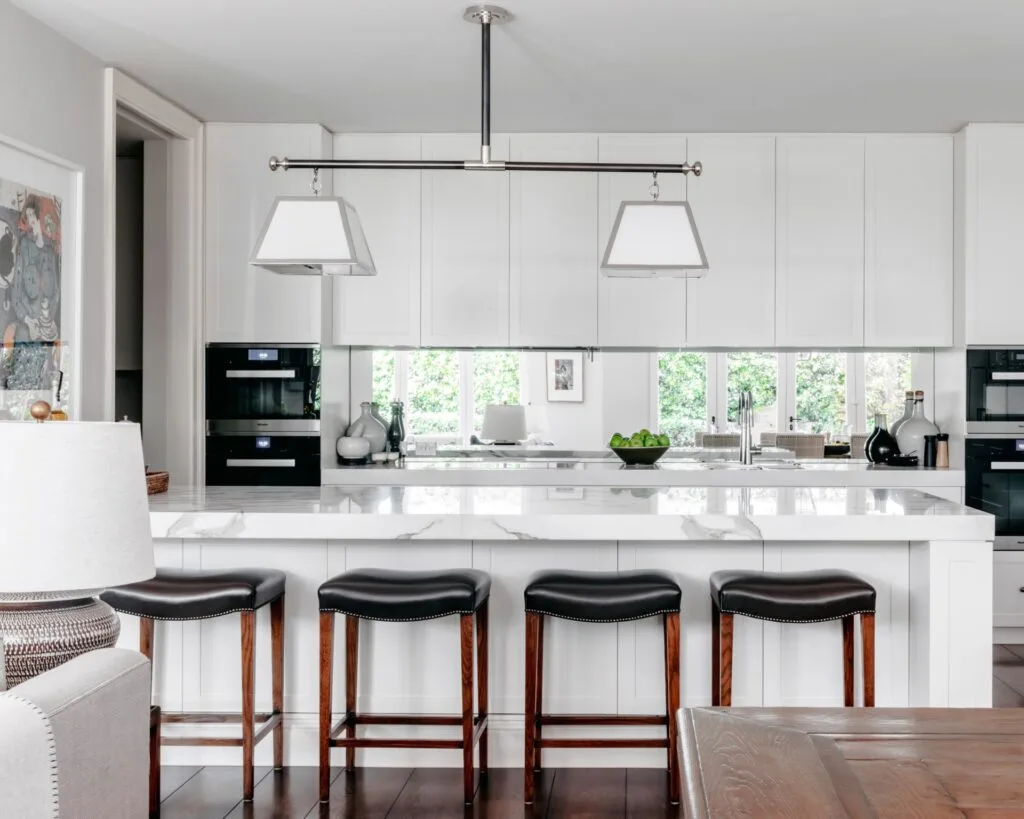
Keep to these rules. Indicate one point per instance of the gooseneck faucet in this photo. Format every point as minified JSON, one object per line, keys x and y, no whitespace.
{"x":746,"y":428}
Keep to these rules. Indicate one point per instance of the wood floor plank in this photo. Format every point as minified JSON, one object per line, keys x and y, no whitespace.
{"x":211,"y":794}
{"x":437,"y":793}
{"x":292,"y":792}
{"x":647,"y":794}
{"x":173,"y":777}
{"x":366,"y":793}
{"x":588,"y":793}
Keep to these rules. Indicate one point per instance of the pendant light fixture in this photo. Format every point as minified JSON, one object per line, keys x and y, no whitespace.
{"x":652,"y":238}
{"x":310,"y":235}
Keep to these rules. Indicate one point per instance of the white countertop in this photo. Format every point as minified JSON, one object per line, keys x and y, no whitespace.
{"x":564,"y":513}
{"x":605,"y":472}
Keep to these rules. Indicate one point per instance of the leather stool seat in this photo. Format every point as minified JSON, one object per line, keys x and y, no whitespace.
{"x":175,"y":594}
{"x":792,"y":597}
{"x":603,"y":597}
{"x":383,"y":594}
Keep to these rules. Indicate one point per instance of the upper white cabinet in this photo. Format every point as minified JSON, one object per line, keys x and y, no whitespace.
{"x":381,"y":310}
{"x":908,"y":240}
{"x":464,"y":246}
{"x":553,"y":244}
{"x":819,"y":272}
{"x":638,"y":312}
{"x":246,"y":303}
{"x":733,"y":204}
{"x":992,"y":172}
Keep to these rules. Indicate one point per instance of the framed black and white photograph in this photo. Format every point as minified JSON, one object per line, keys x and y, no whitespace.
{"x":565,"y":376}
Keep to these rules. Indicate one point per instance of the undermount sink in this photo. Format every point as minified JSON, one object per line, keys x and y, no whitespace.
{"x":753,"y":466}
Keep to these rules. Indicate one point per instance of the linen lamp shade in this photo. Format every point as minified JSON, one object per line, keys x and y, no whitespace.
{"x":74,"y":508}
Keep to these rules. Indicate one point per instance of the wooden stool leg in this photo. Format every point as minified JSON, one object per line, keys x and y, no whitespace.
{"x":867,"y":630}
{"x":466,"y":629}
{"x":540,"y":694}
{"x":848,"y":662}
{"x":725,"y":660}
{"x":672,"y":701}
{"x":248,"y":702}
{"x":277,"y":675}
{"x":154,"y":760}
{"x":716,"y":658}
{"x":351,"y":685}
{"x":326,"y":680}
{"x":530,"y":717}
{"x":481,"y":679}
{"x":146,"y":637}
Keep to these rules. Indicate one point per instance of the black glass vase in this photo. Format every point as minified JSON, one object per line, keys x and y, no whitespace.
{"x":880,"y":444}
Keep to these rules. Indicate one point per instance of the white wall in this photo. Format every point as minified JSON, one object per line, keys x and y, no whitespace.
{"x":53,"y":102}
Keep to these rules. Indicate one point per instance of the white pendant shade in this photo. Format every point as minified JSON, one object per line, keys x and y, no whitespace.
{"x":310,"y":235}
{"x":654,"y":238}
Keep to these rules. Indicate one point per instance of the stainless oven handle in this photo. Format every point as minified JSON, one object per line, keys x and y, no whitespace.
{"x":1007,"y":376}
{"x":282,"y":374}
{"x":1007,"y":466}
{"x":287,"y":463}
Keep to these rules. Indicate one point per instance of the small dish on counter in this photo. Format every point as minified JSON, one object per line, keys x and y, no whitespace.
{"x":640,"y":455}
{"x":353,"y":448}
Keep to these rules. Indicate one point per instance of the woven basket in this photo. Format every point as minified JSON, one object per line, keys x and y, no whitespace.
{"x":157,"y":482}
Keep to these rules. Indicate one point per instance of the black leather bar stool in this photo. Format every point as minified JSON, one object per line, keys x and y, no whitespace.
{"x":791,"y":597}
{"x":199,"y":595}
{"x":380,"y":594}
{"x":600,"y":597}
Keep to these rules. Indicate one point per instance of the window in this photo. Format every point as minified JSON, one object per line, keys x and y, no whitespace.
{"x":820,"y":392}
{"x":682,"y":395}
{"x":445,"y":392}
{"x":759,"y":373}
{"x":886,"y":379}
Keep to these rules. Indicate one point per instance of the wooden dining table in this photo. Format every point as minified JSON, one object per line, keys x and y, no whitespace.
{"x":819,"y":763}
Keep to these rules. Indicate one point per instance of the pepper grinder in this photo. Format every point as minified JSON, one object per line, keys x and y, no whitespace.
{"x":942,"y":450}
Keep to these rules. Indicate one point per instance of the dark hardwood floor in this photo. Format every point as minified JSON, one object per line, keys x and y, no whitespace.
{"x":436,"y":793}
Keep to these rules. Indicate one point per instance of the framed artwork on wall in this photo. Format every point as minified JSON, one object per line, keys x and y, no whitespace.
{"x":40,"y":280}
{"x":565,"y":376}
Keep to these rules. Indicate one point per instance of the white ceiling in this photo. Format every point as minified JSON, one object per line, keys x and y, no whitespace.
{"x":570,"y":65}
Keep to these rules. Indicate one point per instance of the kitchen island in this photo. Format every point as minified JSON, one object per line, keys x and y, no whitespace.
{"x":929,"y":559}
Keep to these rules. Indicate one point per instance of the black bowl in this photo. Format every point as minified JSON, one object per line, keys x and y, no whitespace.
{"x":640,"y":455}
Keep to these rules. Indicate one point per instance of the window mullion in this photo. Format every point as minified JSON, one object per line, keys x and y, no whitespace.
{"x":465,"y":395}
{"x":856,"y":397}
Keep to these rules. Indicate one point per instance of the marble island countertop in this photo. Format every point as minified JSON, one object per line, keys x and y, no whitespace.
{"x":634,"y":513}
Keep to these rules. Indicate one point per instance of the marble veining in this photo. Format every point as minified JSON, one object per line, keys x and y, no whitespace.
{"x":491,"y":513}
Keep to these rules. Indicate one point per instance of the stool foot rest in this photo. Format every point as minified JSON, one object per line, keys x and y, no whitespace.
{"x":354,"y":720}
{"x":603,"y":743}
{"x":601,"y":719}
{"x":267,"y":723}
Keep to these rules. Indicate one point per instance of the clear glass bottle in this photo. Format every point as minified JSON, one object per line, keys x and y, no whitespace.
{"x":911,"y":435}
{"x":908,"y":411}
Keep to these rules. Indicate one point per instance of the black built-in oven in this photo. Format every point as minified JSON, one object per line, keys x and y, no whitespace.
{"x":262,"y":415}
{"x":995,"y":391}
{"x":995,"y":484}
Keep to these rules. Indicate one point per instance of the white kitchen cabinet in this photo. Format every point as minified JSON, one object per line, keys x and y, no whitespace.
{"x":381,"y":310}
{"x":246,"y":303}
{"x":638,"y":312}
{"x":553,"y":265}
{"x":819,"y":271}
{"x":993,"y":178}
{"x":908,"y":241}
{"x":733,"y":204}
{"x":464,"y":247}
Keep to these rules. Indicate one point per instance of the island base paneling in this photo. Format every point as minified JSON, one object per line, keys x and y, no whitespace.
{"x":589,"y":668}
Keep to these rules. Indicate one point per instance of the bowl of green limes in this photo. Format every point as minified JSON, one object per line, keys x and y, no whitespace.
{"x":642,"y":448}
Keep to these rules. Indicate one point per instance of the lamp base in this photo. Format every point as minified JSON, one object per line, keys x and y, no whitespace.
{"x":38,"y":636}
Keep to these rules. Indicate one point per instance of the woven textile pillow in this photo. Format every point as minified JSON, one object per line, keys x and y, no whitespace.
{"x":3,"y":682}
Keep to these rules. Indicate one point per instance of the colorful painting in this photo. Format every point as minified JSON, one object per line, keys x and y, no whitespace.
{"x":30,"y":286}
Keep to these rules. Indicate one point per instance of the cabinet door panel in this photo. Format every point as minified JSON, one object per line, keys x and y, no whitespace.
{"x":908,"y":283}
{"x":733,"y":205}
{"x":994,"y":240}
{"x":819,"y":273}
{"x":638,"y":312}
{"x":381,"y":310}
{"x":553,"y":242}
{"x":464,"y":248}
{"x":246,"y":303}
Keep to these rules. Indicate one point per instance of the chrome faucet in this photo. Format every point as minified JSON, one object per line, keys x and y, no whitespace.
{"x":746,"y":428}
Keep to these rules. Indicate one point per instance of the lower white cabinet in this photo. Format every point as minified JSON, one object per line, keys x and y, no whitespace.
{"x":245,"y":303}
{"x":1008,"y":590}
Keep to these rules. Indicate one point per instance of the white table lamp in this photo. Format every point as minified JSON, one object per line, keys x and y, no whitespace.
{"x":75,"y":520}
